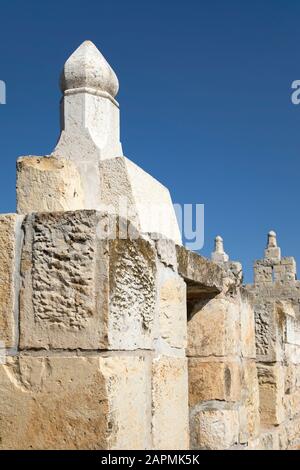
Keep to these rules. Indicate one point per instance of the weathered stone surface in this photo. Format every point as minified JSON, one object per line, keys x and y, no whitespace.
{"x":215,"y":429}
{"x":290,"y":380}
{"x":249,"y":409}
{"x":73,"y":403}
{"x":46,"y":184}
{"x":267,"y":331}
{"x":292,"y":429}
{"x":207,"y":276}
{"x":127,"y":385}
{"x":9,"y":241}
{"x":262,"y":273}
{"x":253,"y":444}
{"x":166,"y":251}
{"x":80,"y":291}
{"x":213,"y":381}
{"x":269,"y":440}
{"x":170,"y":429}
{"x":247,"y":327}
{"x":271,"y":392}
{"x":215,"y":329}
{"x":292,"y":403}
{"x":172,"y":308}
{"x":147,"y":202}
{"x":132,"y":294}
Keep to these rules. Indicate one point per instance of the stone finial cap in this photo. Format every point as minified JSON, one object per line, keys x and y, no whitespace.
{"x":272,"y":251}
{"x":272,"y":241}
{"x":87,"y":68}
{"x":219,"y":255}
{"x":219,"y":247}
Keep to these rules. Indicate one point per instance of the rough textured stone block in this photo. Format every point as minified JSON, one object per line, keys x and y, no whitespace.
{"x":292,"y":429}
{"x":46,"y":184}
{"x":215,"y":329}
{"x":149,"y":204}
{"x":290,"y":378}
{"x":215,"y":429}
{"x":166,"y":251}
{"x":200,"y":271}
{"x":9,"y":253}
{"x":292,"y":354}
{"x":82,"y":291}
{"x":247,"y":327}
{"x":73,"y":403}
{"x":269,"y":440}
{"x":172,"y":308}
{"x":249,"y":409}
{"x":292,"y":403}
{"x":262,"y":273}
{"x":213,"y":381}
{"x":170,"y":403}
{"x":271,"y":392}
{"x":267,"y":331}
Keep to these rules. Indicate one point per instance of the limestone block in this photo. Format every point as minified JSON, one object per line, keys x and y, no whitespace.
{"x":9,"y":253}
{"x":262,"y":274}
{"x":170,"y":428}
{"x":129,"y":417}
{"x":172,"y":308}
{"x":271,"y":393}
{"x":297,"y":374}
{"x":166,"y":251}
{"x":273,"y":254}
{"x":292,"y":429}
{"x":215,"y":429}
{"x":292,"y":353}
{"x":127,"y":188}
{"x":247,"y":328}
{"x":73,"y":403}
{"x":292,"y":403}
{"x":268,"y":331}
{"x":215,"y":329}
{"x":253,"y":444}
{"x":286,"y":271}
{"x":249,"y":409}
{"x":292,"y":330}
{"x":80,"y":291}
{"x":269,"y":440}
{"x":213,"y":381}
{"x":290,"y":379}
{"x":46,"y":184}
{"x":202,"y":272}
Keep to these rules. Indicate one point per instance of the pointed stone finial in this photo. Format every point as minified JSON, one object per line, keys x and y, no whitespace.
{"x":272,"y":241}
{"x":87,"y":68}
{"x":219,"y":255}
{"x":90,"y":117}
{"x":272,"y":252}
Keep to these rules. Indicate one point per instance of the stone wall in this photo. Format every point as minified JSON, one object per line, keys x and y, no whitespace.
{"x":277,"y":319}
{"x":116,"y":336}
{"x":223,"y":384}
{"x":96,"y":356}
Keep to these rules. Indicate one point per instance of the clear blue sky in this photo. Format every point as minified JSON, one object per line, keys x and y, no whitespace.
{"x":204,"y":95}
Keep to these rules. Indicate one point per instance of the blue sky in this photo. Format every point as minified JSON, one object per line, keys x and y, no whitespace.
{"x":205,"y":92}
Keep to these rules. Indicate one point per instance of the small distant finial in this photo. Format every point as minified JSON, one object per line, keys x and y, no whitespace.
{"x":219,"y":255}
{"x":219,"y":247}
{"x":87,"y":68}
{"x":272,"y":252}
{"x":272,"y":242}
